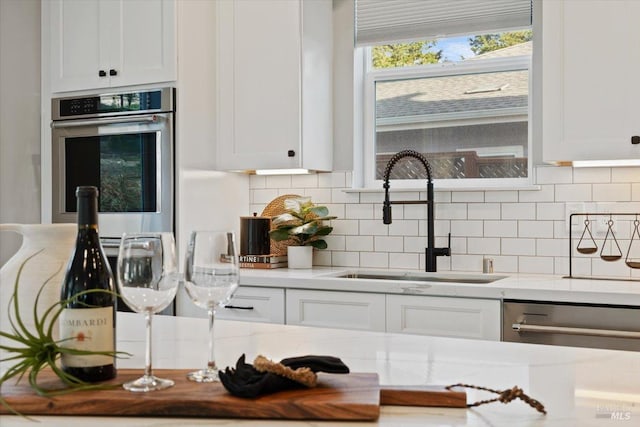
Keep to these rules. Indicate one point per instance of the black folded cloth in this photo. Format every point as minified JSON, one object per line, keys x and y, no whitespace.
{"x":246,"y":381}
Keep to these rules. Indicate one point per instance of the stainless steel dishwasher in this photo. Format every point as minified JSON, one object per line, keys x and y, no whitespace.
{"x":571,"y":324}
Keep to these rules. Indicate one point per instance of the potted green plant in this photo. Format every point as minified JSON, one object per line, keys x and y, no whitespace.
{"x":302,"y":223}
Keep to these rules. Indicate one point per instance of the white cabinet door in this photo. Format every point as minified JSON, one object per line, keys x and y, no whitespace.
{"x":255,"y":304}
{"x":591,"y":64}
{"x":104,"y":43}
{"x":274,"y":82}
{"x":444,"y":316}
{"x":148,"y":43}
{"x":76,"y":44}
{"x":344,"y":310}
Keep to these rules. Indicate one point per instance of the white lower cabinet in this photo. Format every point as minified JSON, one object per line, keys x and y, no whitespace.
{"x":255,"y":304}
{"x":344,"y":310}
{"x":444,"y":316}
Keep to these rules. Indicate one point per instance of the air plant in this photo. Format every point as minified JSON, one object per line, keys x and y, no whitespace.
{"x":35,"y":350}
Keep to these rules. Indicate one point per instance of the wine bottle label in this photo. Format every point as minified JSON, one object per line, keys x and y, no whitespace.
{"x":87,"y":329}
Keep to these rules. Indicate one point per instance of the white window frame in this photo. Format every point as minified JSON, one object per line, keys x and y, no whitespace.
{"x":372,"y":76}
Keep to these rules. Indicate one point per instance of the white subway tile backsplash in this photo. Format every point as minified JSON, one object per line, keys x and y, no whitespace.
{"x":345,"y":226}
{"x":573,"y":193}
{"x":322,"y":258}
{"x":501,"y":228}
{"x":339,"y":196}
{"x":319,"y":196}
{"x":518,"y":211}
{"x":458,"y":245}
{"x":374,"y":259}
{"x":501,"y":196}
{"x":505,"y":264}
{"x":441,"y":196}
{"x":359,"y":243}
{"x":335,"y":209}
{"x":483,"y":211}
{"x":373,"y":228}
{"x":591,"y":175}
{"x":554,"y":175}
{"x":535,"y":229}
{"x":415,"y":244}
{"x":441,"y":228}
{"x":523,"y":231}
{"x":467,"y":228}
{"x":466,"y":263}
{"x":415,"y":211}
{"x":257,"y":181}
{"x":305,"y":181}
{"x":388,"y":244}
{"x":403,"y":228}
{"x":371,"y":197}
{"x":550,"y":211}
{"x":552,"y":247}
{"x":483,"y":245}
{"x":359,"y":211}
{"x":518,"y":246}
{"x":332,"y":180}
{"x":345,"y":259}
{"x":535,"y":265}
{"x":467,"y":196}
{"x":336,"y":242}
{"x":630,"y":174}
{"x":278,"y":181}
{"x":259,"y":196}
{"x":451,"y":210}
{"x":612,"y":192}
{"x":404,"y":261}
{"x":545,"y":194}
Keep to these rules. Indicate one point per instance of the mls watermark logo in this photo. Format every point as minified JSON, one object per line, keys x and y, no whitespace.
{"x":614,"y":412}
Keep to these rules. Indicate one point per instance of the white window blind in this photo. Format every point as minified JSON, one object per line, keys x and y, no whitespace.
{"x":385,"y":21}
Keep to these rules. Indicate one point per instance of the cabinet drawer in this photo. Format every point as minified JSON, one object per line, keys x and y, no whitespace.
{"x":344,"y":310}
{"x":258,"y":305}
{"x":442,"y":316}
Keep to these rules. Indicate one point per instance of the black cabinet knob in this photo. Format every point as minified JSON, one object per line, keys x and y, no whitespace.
{"x":635,"y":139}
{"x":291,"y":153}
{"x":102,"y":73}
{"x":113,"y":72}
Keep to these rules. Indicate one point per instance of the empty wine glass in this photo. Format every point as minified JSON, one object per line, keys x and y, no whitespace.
{"x":211,"y":278}
{"x":147,"y":281}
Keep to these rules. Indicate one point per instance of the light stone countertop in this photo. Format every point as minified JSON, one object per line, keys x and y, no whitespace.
{"x":578,"y":386}
{"x":514,"y":286}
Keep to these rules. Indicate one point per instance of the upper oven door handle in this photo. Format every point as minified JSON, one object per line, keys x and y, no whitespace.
{"x":145,"y":118}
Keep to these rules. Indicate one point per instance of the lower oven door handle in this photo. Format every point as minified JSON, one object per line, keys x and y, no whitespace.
{"x":146,"y":118}
{"x":520,"y":327}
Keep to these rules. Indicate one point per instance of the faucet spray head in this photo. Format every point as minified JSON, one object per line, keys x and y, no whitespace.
{"x":386,"y":212}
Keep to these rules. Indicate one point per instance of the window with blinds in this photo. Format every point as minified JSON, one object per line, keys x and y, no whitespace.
{"x":449,"y":79}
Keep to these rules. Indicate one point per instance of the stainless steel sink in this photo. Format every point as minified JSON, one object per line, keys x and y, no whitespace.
{"x":422,"y":277}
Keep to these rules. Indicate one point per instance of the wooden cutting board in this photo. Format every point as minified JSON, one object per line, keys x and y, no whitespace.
{"x":353,"y":396}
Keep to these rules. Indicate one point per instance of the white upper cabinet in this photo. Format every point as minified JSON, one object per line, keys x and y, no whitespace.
{"x":105,"y":43}
{"x":591,"y":80}
{"x":274,"y":84}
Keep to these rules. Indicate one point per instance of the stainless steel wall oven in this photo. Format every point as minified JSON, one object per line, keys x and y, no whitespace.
{"x":122,"y":143}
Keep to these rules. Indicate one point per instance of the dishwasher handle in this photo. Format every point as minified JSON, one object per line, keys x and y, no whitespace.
{"x":521,"y":327}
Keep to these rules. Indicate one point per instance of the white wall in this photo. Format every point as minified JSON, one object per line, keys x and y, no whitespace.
{"x":19,"y":117}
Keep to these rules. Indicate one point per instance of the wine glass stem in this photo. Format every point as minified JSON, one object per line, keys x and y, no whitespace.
{"x":211,"y":365}
{"x":147,"y":356}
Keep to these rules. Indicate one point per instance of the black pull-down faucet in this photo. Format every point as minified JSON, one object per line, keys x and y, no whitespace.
{"x":431,"y":252}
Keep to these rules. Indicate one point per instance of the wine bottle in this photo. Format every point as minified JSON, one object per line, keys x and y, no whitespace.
{"x":87,"y":321}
